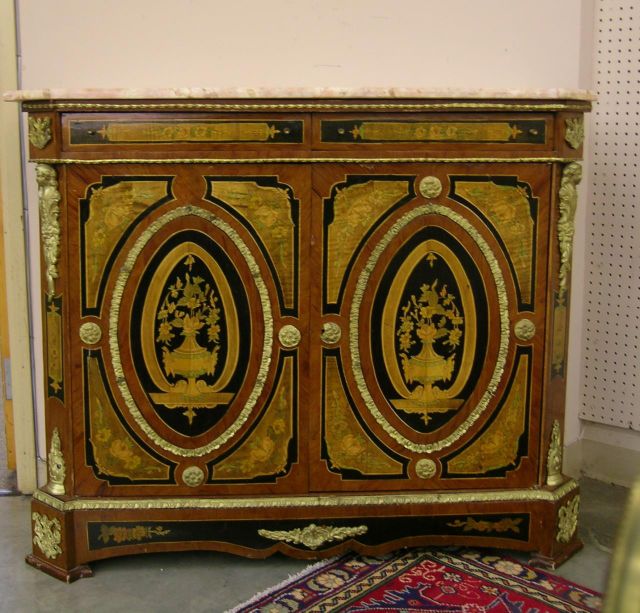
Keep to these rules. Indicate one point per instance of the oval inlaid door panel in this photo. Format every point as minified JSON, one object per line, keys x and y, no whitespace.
{"x":431,"y":317}
{"x":190,"y":331}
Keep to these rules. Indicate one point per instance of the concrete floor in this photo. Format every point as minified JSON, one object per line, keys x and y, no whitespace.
{"x":214,"y":582}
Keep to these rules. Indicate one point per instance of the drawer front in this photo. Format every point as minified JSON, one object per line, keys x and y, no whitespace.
{"x":103,"y":132}
{"x":435,"y":131}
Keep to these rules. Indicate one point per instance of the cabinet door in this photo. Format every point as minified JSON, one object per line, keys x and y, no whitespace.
{"x":189,"y":309}
{"x":431,"y":318}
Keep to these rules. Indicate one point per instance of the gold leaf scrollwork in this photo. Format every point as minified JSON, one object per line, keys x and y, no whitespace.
{"x":568,"y":520}
{"x":56,"y":465}
{"x":289,"y":336}
{"x":554,"y":457}
{"x":568,"y":193}
{"x":574,"y":131}
{"x":39,"y":131}
{"x":430,"y":187}
{"x":331,"y":333}
{"x":313,"y":536}
{"x":507,"y":524}
{"x":49,"y":203}
{"x":47,"y":535}
{"x":90,"y":333}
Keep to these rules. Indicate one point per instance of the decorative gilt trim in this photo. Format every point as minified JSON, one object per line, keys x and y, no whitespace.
{"x":430,"y":187}
{"x":56,"y":465}
{"x":313,"y":536}
{"x":49,"y":203}
{"x":331,"y":333}
{"x":568,"y":195}
{"x":90,"y":333}
{"x":554,"y":457}
{"x":568,"y":520}
{"x":574,"y":131}
{"x":333,"y":500}
{"x":114,"y":317}
{"x":40,"y":131}
{"x":311,"y":160}
{"x":47,"y":535}
{"x":289,"y":336}
{"x":426,"y":468}
{"x":354,"y":322}
{"x":302,"y":106}
{"x":506,"y":524}
{"x":524,"y":329}
{"x":193,"y":476}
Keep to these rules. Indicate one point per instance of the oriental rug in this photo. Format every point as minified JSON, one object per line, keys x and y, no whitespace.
{"x":425,"y":580}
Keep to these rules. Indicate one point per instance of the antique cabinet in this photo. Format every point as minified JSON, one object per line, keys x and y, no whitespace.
{"x":304,"y":324}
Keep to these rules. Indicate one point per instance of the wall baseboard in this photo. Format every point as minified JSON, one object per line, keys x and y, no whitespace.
{"x":609,"y":463}
{"x":572,"y":460}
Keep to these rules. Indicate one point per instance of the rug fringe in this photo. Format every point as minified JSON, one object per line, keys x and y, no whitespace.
{"x":299,"y":575}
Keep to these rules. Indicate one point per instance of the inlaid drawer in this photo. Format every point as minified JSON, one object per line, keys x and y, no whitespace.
{"x":458,"y":132}
{"x":186,"y":132}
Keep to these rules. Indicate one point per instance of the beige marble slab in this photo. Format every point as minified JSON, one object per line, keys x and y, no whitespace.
{"x":295,"y":92}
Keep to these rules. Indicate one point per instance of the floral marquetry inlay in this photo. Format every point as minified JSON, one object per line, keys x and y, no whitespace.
{"x":349,"y":447}
{"x":356,"y":207}
{"x":266,"y":450}
{"x":268,"y":209}
{"x":111,"y":210}
{"x":506,"y":524}
{"x":497,"y":446}
{"x":189,"y":324}
{"x":508,"y":208}
{"x":115,"y":452}
{"x":124,"y":534}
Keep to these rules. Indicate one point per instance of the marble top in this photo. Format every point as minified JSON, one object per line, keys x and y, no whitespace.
{"x":295,"y":92}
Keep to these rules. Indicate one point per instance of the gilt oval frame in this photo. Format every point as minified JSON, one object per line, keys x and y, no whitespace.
{"x":114,"y":318}
{"x":354,"y":319}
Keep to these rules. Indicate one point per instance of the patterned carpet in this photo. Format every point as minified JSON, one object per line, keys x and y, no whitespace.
{"x":425,"y":580}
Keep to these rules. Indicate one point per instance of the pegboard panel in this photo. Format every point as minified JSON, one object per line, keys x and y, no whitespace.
{"x":611,"y":358}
